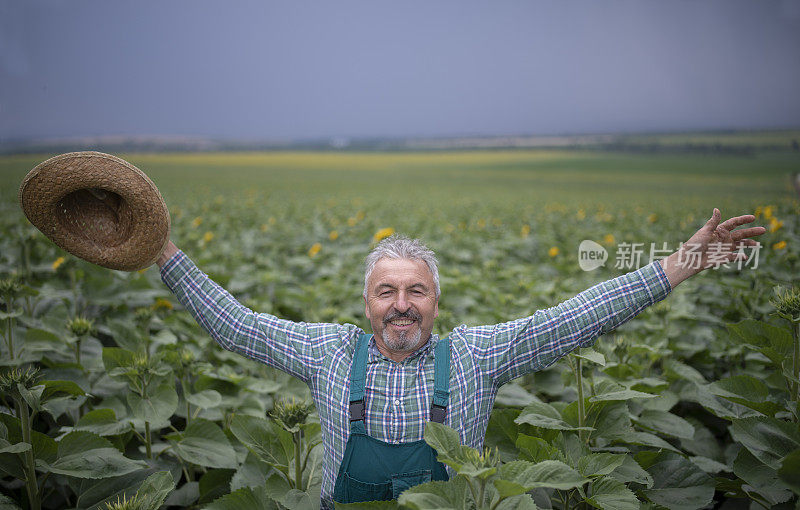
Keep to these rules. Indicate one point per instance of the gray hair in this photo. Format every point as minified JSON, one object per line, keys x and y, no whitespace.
{"x":401,"y":247}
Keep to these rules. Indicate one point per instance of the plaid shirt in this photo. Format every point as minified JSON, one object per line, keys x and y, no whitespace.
{"x":398,"y":395}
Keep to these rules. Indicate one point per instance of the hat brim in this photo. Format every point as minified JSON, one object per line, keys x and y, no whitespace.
{"x":99,"y":208}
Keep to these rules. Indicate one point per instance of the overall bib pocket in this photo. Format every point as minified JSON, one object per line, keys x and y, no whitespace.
{"x":408,"y":480}
{"x":356,"y":491}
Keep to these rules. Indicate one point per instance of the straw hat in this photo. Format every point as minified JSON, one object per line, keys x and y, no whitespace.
{"x":98,"y":207}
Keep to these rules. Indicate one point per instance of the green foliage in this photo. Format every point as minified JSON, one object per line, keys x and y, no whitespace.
{"x":203,"y":443}
{"x":257,"y":499}
{"x":290,"y":450}
{"x":677,"y":482}
{"x":86,"y":455}
{"x":789,"y":472}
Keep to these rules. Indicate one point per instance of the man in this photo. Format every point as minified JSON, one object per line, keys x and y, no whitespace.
{"x":374,"y":394}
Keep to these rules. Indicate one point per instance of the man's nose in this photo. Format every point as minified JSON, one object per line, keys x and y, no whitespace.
{"x":402,"y":303}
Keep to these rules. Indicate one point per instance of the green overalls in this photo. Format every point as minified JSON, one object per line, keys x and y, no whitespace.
{"x":376,"y":470}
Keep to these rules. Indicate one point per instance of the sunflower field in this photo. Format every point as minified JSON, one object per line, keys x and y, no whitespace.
{"x":112,"y":397}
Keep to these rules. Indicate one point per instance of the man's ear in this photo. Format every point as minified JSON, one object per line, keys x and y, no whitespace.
{"x":366,"y":307}
{"x":436,"y":309}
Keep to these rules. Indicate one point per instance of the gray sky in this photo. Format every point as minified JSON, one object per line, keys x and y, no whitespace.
{"x":265,"y":69}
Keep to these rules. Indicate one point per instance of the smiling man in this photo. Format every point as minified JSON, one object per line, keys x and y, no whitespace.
{"x":375,"y":393}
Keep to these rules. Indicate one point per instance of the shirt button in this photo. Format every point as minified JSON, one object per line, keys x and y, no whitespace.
{"x":397,"y":401}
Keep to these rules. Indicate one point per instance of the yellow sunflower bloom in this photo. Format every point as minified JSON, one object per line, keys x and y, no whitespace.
{"x":162,"y":303}
{"x":382,"y":234}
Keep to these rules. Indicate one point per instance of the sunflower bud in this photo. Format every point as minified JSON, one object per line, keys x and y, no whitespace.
{"x":787,"y":304}
{"x":489,"y":458}
{"x":141,"y":363}
{"x":143,"y":315}
{"x":290,"y":414}
{"x":80,"y":326}
{"x":9,"y":379}
{"x":187,"y":357}
{"x":124,"y":503}
{"x":10,"y":287}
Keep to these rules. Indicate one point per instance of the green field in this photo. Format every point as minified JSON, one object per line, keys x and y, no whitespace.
{"x":537,"y":177}
{"x":287,"y":233}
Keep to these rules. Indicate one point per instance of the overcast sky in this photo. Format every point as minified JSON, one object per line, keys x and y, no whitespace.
{"x":263,"y":69}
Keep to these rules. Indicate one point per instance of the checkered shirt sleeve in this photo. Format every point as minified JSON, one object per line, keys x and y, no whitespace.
{"x":511,"y":349}
{"x":297,"y":348}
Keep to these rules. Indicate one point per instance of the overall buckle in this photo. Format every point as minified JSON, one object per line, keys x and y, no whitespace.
{"x":438,"y":413}
{"x":356,"y":410}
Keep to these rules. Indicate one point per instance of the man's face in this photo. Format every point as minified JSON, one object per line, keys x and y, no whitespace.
{"x":401,"y":304}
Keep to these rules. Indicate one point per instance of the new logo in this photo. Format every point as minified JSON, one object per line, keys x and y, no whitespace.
{"x":591,"y":255}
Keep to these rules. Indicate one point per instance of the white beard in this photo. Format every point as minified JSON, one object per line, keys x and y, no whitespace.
{"x":404,"y":342}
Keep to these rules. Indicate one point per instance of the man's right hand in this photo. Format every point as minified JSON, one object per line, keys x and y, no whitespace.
{"x":168,"y":252}
{"x":719,"y":239}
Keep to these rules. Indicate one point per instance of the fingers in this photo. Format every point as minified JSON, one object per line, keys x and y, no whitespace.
{"x":736,"y":235}
{"x":732,"y":223}
{"x":712,"y":222}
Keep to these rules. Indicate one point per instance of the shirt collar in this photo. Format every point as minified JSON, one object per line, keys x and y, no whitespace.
{"x":375,"y":355}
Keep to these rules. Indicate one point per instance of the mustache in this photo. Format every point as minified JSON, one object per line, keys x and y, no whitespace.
{"x":408,"y":314}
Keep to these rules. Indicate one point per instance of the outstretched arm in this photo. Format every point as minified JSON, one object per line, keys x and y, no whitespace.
{"x":715,"y":243}
{"x":506,"y":351}
{"x":294,"y":347}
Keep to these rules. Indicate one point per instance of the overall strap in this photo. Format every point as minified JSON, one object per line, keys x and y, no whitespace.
{"x":358,"y":378}
{"x":441,"y":380}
